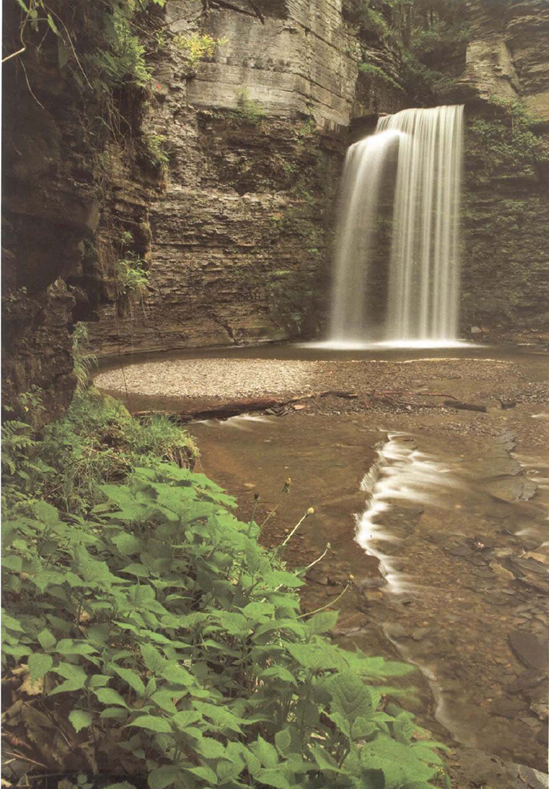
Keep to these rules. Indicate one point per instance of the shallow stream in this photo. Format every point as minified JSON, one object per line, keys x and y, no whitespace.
{"x":438,"y":519}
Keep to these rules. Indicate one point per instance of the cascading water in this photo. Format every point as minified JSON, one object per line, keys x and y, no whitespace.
{"x":423,"y":282}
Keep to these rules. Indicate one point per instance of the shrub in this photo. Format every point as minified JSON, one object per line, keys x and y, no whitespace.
{"x":98,"y":441}
{"x":198,"y":46}
{"x":157,"y":636}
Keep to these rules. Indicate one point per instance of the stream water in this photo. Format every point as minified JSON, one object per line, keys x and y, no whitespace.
{"x":440,"y":522}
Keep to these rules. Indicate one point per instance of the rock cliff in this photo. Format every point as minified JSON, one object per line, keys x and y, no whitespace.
{"x":506,"y":207}
{"x":256,"y":135}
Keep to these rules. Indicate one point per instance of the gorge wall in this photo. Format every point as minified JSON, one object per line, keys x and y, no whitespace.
{"x":506,"y":188}
{"x":256,"y":135}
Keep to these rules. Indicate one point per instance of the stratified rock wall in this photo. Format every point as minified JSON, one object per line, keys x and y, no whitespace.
{"x":256,"y":136}
{"x":508,"y":54}
{"x":506,"y":194}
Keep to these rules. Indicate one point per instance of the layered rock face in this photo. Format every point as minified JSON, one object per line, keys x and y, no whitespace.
{"x":506,"y":205}
{"x":508,"y":54}
{"x":256,"y":136}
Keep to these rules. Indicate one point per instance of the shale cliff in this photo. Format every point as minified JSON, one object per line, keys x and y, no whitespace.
{"x":255,"y":136}
{"x":505,"y":86}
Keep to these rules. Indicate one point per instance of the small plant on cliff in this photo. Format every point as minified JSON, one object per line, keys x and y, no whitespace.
{"x":509,"y":138}
{"x":155,"y":150}
{"x":249,"y":110}
{"x":375,"y":71}
{"x":131,"y":279}
{"x":83,"y":360}
{"x":198,"y":46}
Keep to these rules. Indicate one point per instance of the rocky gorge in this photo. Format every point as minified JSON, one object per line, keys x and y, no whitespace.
{"x":172,"y":171}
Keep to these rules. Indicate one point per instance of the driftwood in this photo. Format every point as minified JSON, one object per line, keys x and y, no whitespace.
{"x":231,"y":408}
{"x":464,"y":406}
{"x":396,"y":397}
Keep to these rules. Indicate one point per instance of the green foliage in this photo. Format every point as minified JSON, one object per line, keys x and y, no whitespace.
{"x":98,"y":441}
{"x":17,"y":444}
{"x":198,"y":46}
{"x":155,"y":150}
{"x":131,"y":279}
{"x":158,"y":627}
{"x":116,"y":56}
{"x":249,"y":110}
{"x":83,"y":360}
{"x":426,"y":85}
{"x":508,"y":139}
{"x":375,"y":71}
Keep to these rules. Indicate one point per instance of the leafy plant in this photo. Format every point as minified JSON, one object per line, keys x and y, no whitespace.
{"x":249,"y":110}
{"x":375,"y":71}
{"x":155,"y":149}
{"x":198,"y":46}
{"x":157,"y":635}
{"x":131,"y":279}
{"x":83,"y":360}
{"x":509,"y":139}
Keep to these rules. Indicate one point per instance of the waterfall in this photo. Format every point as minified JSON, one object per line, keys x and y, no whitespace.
{"x":423,"y":276}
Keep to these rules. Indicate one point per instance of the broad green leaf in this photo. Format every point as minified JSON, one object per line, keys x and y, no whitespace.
{"x":279,"y":672}
{"x":127,"y":544}
{"x":314,"y":655}
{"x":265,"y":752}
{"x":69,"y":686}
{"x":350,"y":696}
{"x":324,"y":760}
{"x":66,"y":646}
{"x":39,"y":665}
{"x":152,"y":723}
{"x":184,"y":718}
{"x":110,"y":696}
{"x":163,"y":776}
{"x":211,"y":749}
{"x":138,"y":570}
{"x":46,"y":578}
{"x":322,"y":622}
{"x":93,"y":570}
{"x":362,"y":728}
{"x":46,"y":513}
{"x":257,"y":610}
{"x":115,"y":712}
{"x":152,"y":658}
{"x":46,"y":639}
{"x":274,"y":777}
{"x":132,"y":678}
{"x":206,"y":773}
{"x":282,"y":578}
{"x":11,"y":624}
{"x":177,"y":674}
{"x":13,"y":562}
{"x":164,"y":699}
{"x":80,"y":719}
{"x":283,"y":740}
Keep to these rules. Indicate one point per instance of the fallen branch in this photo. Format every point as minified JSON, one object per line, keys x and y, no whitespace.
{"x":395,"y":397}
{"x":464,"y":406}
{"x":237,"y":407}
